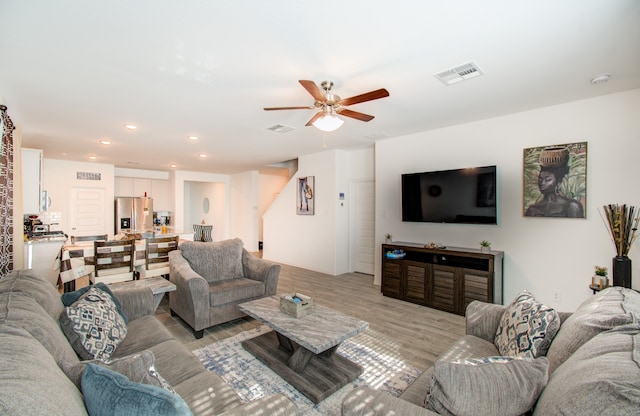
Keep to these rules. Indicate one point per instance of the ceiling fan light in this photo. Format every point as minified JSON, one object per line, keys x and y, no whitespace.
{"x":328,"y":123}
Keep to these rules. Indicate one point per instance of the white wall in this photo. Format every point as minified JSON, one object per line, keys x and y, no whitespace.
{"x":59,"y":176}
{"x":182,"y":201}
{"x":308,"y":241}
{"x":244,"y":215}
{"x":542,"y":255}
{"x":341,"y":209}
{"x":269,"y":187}
{"x":195,"y":193}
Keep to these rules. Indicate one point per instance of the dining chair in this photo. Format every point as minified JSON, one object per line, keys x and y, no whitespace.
{"x":113,"y":261}
{"x":75,"y":238}
{"x":157,"y":256}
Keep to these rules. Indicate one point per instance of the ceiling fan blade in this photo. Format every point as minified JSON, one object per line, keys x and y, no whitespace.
{"x":354,"y":114}
{"x":314,"y":118}
{"x":367,"y":96}
{"x":313,"y":89}
{"x":289,"y":108}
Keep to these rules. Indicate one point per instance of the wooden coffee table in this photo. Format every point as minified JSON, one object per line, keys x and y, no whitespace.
{"x":302,"y":350}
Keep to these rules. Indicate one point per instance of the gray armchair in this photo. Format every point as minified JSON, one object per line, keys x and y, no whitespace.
{"x":212,"y":278}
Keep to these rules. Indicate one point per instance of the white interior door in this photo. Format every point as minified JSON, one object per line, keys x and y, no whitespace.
{"x":86,"y":212}
{"x":363,"y":226}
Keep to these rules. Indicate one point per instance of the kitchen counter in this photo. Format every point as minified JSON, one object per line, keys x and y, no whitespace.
{"x":41,"y":253}
{"x":171,"y":232}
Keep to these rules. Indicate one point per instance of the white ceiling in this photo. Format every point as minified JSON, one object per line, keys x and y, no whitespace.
{"x":73,"y":72}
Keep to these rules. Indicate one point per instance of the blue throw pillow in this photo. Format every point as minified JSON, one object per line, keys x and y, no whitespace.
{"x":108,"y":393}
{"x":70,"y":298}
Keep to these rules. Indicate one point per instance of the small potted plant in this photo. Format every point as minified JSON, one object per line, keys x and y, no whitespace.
{"x":388,"y":238}
{"x":600,"y":278}
{"x":485,"y":246}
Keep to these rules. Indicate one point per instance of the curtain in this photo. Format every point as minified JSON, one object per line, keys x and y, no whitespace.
{"x":6,"y":194}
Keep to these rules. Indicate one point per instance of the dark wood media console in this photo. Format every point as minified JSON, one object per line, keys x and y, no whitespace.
{"x":445,"y":278}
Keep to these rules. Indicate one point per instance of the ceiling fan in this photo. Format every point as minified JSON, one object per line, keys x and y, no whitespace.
{"x":330,"y":104}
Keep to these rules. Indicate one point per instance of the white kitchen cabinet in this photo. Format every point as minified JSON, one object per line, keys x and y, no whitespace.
{"x":31,"y":180}
{"x":158,"y":189}
{"x":41,"y":256}
{"x":142,"y":187}
{"x":161,"y":194}
{"x":123,"y":186}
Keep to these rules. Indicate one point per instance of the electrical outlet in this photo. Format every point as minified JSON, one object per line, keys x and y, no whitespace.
{"x":557,"y":297}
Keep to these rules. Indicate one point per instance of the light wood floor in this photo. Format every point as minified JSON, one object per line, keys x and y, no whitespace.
{"x":422,"y":333}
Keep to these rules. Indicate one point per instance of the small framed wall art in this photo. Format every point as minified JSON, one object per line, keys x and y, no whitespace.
{"x":305,"y":196}
{"x":555,"y":181}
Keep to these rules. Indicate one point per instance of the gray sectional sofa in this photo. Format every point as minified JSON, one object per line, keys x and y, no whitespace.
{"x":592,"y":367}
{"x":39,"y":368}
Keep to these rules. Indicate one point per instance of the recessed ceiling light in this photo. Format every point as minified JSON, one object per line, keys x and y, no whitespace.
{"x":105,"y":142}
{"x":194,"y":138}
{"x":173,"y":166}
{"x":130,"y":126}
{"x":202,"y":156}
{"x":92,"y":157}
{"x":599,"y":79}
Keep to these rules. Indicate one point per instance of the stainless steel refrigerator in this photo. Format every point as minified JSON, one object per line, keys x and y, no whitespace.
{"x":133,"y":215}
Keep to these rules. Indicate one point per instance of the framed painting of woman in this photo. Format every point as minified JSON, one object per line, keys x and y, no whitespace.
{"x":555,"y":181}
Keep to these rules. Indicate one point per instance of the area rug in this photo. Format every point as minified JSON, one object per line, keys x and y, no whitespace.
{"x":378,"y":355}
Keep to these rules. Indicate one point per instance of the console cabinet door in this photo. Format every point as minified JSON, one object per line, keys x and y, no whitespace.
{"x":392,"y":278}
{"x":417,"y":282}
{"x":476,"y":287}
{"x":445,"y":288}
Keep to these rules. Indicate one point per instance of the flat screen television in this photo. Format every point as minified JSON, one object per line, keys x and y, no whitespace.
{"x":462,"y":196}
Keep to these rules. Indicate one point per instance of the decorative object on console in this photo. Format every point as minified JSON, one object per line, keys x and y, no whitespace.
{"x":434,"y":245}
{"x":555,"y":181}
{"x":388,"y":238}
{"x":305,"y":201}
{"x":600,"y":279}
{"x":395,"y":254}
{"x":622,"y":224}
{"x":485,"y":246}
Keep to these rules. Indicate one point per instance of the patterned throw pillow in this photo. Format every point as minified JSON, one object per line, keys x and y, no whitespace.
{"x":487,"y":386}
{"x":527,"y":328}
{"x":93,"y":325}
{"x":69,"y":298}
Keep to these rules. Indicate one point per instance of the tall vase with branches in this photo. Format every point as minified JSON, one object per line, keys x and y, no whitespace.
{"x":622,"y":224}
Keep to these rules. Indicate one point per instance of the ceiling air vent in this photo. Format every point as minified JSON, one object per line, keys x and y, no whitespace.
{"x":279,"y":128}
{"x":459,"y":73}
